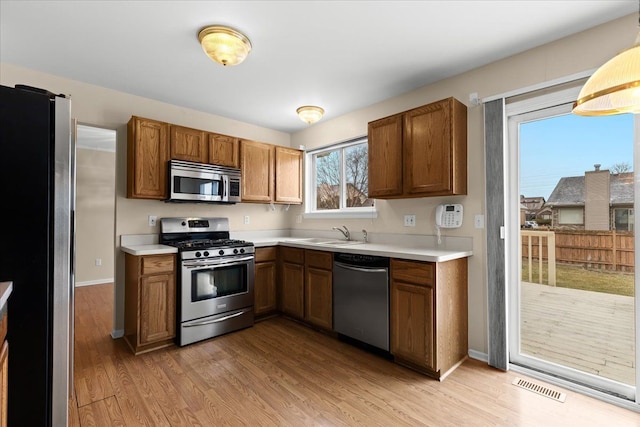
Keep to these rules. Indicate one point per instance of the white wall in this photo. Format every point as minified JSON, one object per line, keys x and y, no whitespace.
{"x":112,"y":109}
{"x":95,"y":208}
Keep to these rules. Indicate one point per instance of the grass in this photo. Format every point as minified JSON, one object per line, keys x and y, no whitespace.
{"x":577,"y":277}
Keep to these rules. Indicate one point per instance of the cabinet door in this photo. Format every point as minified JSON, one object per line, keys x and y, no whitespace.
{"x":189,"y":144}
{"x":257,"y":165}
{"x":157,"y":308}
{"x":435,"y":156}
{"x":265,"y":287}
{"x":288,"y":175}
{"x":318,"y":298}
{"x":147,"y":157}
{"x":412,"y":323}
{"x":385,"y":157}
{"x":224,"y":150}
{"x":293,"y":289}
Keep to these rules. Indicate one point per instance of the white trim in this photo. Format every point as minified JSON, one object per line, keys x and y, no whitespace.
{"x":544,"y":85}
{"x":636,"y":179}
{"x":117,"y":333}
{"x":369,"y":213}
{"x":94,"y":282}
{"x":478,"y":355}
{"x":588,"y":391}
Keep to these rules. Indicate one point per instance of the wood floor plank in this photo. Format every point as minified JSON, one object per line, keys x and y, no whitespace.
{"x":282,"y":373}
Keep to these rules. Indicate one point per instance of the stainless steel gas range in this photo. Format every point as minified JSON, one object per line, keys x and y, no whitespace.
{"x":216,"y":278}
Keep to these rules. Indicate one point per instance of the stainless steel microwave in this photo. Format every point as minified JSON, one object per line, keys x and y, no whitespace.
{"x":199,"y":182}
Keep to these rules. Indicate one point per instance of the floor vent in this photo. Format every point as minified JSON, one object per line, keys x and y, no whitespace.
{"x":536,"y":388}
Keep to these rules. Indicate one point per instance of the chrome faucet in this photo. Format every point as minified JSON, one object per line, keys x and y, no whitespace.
{"x":344,"y":232}
{"x":365,"y":235}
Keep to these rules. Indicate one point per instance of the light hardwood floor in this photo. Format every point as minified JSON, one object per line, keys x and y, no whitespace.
{"x":281,"y":373}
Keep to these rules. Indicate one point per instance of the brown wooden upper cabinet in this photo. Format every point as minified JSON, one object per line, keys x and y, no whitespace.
{"x":270,"y":173}
{"x":224,"y":150}
{"x":189,"y":144}
{"x":147,"y":156}
{"x":419,"y":153}
{"x":288,"y":175}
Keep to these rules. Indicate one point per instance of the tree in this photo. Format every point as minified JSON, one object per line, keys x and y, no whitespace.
{"x":620,"y":167}
{"x":329,"y":177}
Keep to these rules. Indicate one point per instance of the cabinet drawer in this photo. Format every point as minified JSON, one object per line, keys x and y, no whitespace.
{"x":416,"y":272}
{"x":157,"y":264}
{"x":265,"y":254}
{"x":292,"y":255}
{"x":319,"y":259}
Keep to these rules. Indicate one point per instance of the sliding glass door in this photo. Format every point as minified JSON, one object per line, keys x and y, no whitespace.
{"x":571,"y":247}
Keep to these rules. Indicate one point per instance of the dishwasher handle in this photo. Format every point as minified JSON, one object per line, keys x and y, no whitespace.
{"x":360,"y":269}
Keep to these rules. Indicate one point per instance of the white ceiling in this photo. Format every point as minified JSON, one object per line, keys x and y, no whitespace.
{"x":341,"y":55}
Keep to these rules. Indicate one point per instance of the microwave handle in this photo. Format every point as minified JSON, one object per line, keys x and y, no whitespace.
{"x":225,"y":186}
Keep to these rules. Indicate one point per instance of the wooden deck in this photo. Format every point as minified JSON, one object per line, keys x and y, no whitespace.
{"x":589,"y":331}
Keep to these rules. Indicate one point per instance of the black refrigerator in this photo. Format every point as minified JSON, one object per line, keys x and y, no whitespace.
{"x":37,"y":179}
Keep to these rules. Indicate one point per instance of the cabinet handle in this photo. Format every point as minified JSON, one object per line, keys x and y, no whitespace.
{"x":209,"y":322}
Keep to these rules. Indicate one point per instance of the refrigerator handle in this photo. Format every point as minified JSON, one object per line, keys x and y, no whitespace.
{"x":72,"y":260}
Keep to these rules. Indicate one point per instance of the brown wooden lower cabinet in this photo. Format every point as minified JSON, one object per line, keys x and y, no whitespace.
{"x":429,"y":327}
{"x":150,"y":301}
{"x":4,"y":372}
{"x":292,"y":281}
{"x":265,"y":281}
{"x":318,"y":288}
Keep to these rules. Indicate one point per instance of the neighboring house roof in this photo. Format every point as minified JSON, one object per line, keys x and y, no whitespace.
{"x":570,"y":190}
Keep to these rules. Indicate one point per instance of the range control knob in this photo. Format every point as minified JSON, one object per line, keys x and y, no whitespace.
{"x":241,"y":251}
{"x":206,"y":253}
{"x":198,"y":254}
{"x":235,"y":251}
{"x":184,"y":223}
{"x":220,"y":252}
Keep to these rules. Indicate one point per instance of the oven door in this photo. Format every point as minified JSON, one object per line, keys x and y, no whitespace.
{"x":210,"y":287}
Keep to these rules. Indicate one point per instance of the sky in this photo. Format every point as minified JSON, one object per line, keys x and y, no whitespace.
{"x":569,"y":145}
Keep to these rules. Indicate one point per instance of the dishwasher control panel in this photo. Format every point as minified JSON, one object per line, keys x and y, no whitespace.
{"x":361,"y":260}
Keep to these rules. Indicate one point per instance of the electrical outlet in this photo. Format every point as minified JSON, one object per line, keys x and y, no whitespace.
{"x":409,"y":220}
{"x":98,"y":261}
{"x":153,"y":220}
{"x":246,"y":219}
{"x":478,"y":221}
{"x":299,"y":219}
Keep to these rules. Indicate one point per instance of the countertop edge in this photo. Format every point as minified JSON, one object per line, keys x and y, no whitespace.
{"x":5,"y":290}
{"x":139,"y":250}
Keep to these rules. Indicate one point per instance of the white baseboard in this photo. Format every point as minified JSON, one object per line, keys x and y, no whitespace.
{"x":94,"y":282}
{"x":117,"y":333}
{"x":483,"y":357}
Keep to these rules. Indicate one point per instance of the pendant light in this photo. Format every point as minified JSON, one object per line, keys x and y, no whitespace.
{"x":310,"y":113}
{"x":615,"y":87}
{"x":224,"y":44}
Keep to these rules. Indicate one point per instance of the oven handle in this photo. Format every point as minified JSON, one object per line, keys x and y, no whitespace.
{"x":209,"y":263}
{"x":210,"y":322}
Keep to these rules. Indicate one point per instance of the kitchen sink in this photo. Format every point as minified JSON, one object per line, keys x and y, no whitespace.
{"x":328,"y":242}
{"x":340,"y":242}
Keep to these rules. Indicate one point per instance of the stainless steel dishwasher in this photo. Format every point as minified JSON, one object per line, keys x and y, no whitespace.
{"x":361,"y":298}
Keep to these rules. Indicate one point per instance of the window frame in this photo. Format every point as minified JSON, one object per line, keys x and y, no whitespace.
{"x":310,"y":208}
{"x":573,"y":212}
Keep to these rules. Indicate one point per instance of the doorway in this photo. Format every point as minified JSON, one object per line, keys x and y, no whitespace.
{"x":95,"y":205}
{"x":570,"y":259}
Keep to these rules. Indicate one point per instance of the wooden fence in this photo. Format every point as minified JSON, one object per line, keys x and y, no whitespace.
{"x":606,"y":250}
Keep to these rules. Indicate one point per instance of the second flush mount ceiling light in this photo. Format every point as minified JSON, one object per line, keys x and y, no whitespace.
{"x":224,"y":44}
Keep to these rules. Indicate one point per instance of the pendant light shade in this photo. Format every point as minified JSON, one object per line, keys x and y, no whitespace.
{"x":614,"y":88}
{"x":310,"y":113}
{"x":224,"y":45}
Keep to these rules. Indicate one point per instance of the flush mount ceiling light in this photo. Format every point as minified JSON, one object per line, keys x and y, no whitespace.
{"x":224,"y":45}
{"x":614,"y":88}
{"x":310,"y":113}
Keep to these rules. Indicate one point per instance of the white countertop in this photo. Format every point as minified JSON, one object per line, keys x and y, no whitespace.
{"x":407,"y":247}
{"x":379,"y":249}
{"x":155,"y":249}
{"x":5,"y":290}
